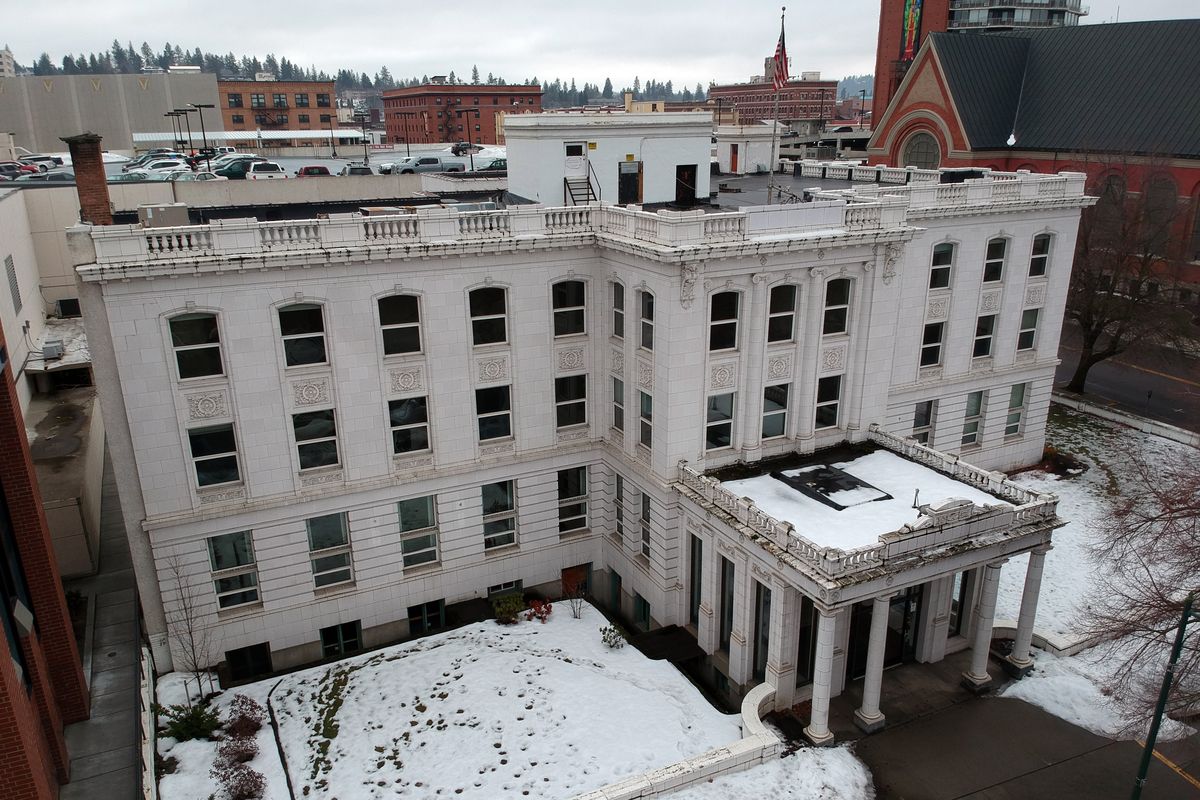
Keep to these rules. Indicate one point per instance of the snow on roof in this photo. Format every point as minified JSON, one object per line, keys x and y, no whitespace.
{"x":867,"y":514}
{"x":74,"y":341}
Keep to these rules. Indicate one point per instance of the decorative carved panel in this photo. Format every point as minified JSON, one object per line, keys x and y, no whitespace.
{"x":779,"y":367}
{"x":491,"y":370}
{"x":990,"y":302}
{"x":938,"y":308}
{"x":1035,"y":294}
{"x":833,"y":359}
{"x":407,"y":380}
{"x":228,"y":495}
{"x":311,"y":392}
{"x":207,"y":405}
{"x":570,"y":359}
{"x":618,"y":363}
{"x":334,"y":476}
{"x":645,"y":375}
{"x":722,"y":376}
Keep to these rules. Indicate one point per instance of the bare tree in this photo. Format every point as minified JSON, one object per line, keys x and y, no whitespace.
{"x":1148,"y":557}
{"x":1128,"y":263}
{"x":185,"y":624}
{"x":575,"y":591}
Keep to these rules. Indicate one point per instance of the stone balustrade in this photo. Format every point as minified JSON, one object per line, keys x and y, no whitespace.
{"x":935,"y":529}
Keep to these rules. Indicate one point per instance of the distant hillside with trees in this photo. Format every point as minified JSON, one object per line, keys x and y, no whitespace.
{"x":851,"y":85}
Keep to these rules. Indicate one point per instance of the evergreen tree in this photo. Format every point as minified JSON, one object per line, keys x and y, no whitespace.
{"x":637,"y":88}
{"x":491,"y":79}
{"x":271,"y":65}
{"x":384,"y":79}
{"x":608,"y":92}
{"x":119,"y":58}
{"x":135,"y":58}
{"x":43,"y":66}
{"x":474,"y":75}
{"x":364,"y":81}
{"x":68,"y":65}
{"x":148,"y":57}
{"x":699,"y":93}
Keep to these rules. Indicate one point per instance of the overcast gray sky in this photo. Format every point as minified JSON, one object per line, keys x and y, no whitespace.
{"x":685,"y":41}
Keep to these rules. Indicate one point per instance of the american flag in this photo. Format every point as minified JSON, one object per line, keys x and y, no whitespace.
{"x":780,"y":77}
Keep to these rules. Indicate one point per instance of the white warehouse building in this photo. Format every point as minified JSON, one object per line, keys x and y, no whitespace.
{"x":338,"y":433}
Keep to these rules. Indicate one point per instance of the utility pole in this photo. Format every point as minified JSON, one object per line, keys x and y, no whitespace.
{"x":204,"y":134}
{"x":188,"y":120}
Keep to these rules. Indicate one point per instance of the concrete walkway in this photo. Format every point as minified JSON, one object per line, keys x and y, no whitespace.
{"x":104,"y":749}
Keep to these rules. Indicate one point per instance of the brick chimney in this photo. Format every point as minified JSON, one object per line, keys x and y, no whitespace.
{"x":90,"y":180}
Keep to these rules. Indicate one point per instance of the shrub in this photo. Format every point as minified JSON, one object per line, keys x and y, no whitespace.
{"x":190,"y":722}
{"x":538,"y":610}
{"x":240,"y":781}
{"x":508,"y":608}
{"x":612,"y":636}
{"x":238,"y":750}
{"x":245,"y":717}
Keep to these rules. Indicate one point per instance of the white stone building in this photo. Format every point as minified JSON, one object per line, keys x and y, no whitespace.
{"x":334,"y":433}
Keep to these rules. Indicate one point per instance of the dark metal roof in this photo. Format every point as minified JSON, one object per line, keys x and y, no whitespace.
{"x":1128,"y":87}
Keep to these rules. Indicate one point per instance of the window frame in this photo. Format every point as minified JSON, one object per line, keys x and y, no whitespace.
{"x":924,"y":421}
{"x":238,"y":570}
{"x":723,"y":326}
{"x":645,"y":420}
{"x":224,"y":454}
{"x":721,"y":422}
{"x":573,"y":509}
{"x":972,"y":421}
{"x":338,"y":648}
{"x":399,"y":327}
{"x":774,"y":316}
{"x":619,"y":507}
{"x":1014,"y":422}
{"x":827,"y":308}
{"x":572,"y":316}
{"x":1027,"y":332}
{"x":482,"y":319}
{"x":995,"y":264}
{"x":331,"y":552}
{"x":618,"y":310}
{"x":1039,"y":262}
{"x":823,"y":405}
{"x":618,"y":404}
{"x":179,"y":349}
{"x":505,"y":412}
{"x":505,"y":515}
{"x":309,"y":442}
{"x":645,"y":320}
{"x":774,"y":413}
{"x":427,"y":532}
{"x":287,"y":338}
{"x":945,"y":268}
{"x":409,"y":426}
{"x":644,"y":523}
{"x":571,"y":404}
{"x":983,"y":337}
{"x":931,"y":346}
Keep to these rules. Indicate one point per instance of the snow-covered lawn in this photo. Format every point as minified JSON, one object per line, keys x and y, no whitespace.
{"x":812,"y":773}
{"x":485,"y":711}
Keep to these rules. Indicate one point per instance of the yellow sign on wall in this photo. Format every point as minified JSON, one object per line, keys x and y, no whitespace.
{"x":629,"y":156}
{"x":591,"y":145}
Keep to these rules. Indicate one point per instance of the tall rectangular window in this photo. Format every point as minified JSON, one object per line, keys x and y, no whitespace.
{"x":645,"y":419}
{"x":258,"y":101}
{"x":301,"y":100}
{"x":837,"y":307}
{"x":493,"y":407}
{"x":409,"y":420}
{"x":570,"y":401}
{"x":696,"y":579}
{"x":279,"y":100}
{"x":645,"y":524}
{"x":931,"y":344}
{"x":806,"y":652}
{"x":618,"y":404}
{"x":993,"y":262}
{"x":400,"y":323}
{"x":974,"y":415}
{"x":618,"y":310}
{"x":1027,"y":336}
{"x":197,"y":344}
{"x":570,"y":307}
{"x":646,"y":306}
{"x":572,"y":499}
{"x":329,"y":550}
{"x":762,"y":629}
{"x":723,"y":321}
{"x":214,"y":454}
{"x":958,"y":604}
{"x":488,"y":316}
{"x":775,"y":406}
{"x":781,"y":319}
{"x":985,"y":328}
{"x":323,"y":101}
{"x":418,"y":530}
{"x":1039,"y":257}
{"x":923,"y":421}
{"x":725,"y":629}
{"x":1016,"y":409}
{"x":829,"y":395}
{"x":619,"y":508}
{"x":234,"y":100}
{"x":499,"y":514}
{"x":316,"y":438}
{"x":303,"y":328}
{"x":718,"y":426}
{"x":940,"y":266}
{"x":235,"y":575}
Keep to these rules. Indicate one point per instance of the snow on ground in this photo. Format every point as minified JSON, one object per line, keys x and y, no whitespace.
{"x":1083,"y":500}
{"x":863,"y":523}
{"x":811,"y":773}
{"x":485,"y":711}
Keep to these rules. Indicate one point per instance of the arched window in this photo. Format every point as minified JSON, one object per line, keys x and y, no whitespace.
{"x":400,"y":323}
{"x":1161,"y":204}
{"x":197,"y":344}
{"x":921,"y":150}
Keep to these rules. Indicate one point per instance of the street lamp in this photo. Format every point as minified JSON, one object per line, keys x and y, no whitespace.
{"x":204,"y":134}
{"x":176,"y":130}
{"x":471,"y":145}
{"x":1168,"y":678}
{"x":362,"y":120}
{"x":332,"y":142}
{"x":862,"y":105}
{"x":185,"y":112}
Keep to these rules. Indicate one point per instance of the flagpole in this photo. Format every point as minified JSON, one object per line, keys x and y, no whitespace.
{"x":775,"y":119}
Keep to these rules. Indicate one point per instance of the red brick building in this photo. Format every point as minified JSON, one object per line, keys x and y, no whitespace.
{"x":438,"y":112}
{"x":41,"y":682}
{"x":798,"y":100}
{"x":277,"y":105}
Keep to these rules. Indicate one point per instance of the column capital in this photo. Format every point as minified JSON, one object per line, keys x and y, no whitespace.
{"x":997,"y":564}
{"x":1042,"y":549}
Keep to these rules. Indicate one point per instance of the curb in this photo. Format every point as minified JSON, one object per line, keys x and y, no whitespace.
{"x":1143,"y":424}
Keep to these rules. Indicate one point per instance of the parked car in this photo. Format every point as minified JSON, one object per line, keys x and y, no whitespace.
{"x":356,"y":169}
{"x":236,"y":169}
{"x":167,"y":165}
{"x":229,"y":158}
{"x":140,"y":175}
{"x":146,"y":158}
{"x":495,"y":165}
{"x":14,"y":169}
{"x":265,"y":171}
{"x":463,"y":148}
{"x":312,"y":172}
{"x":42,"y":162}
{"x":202,"y":175}
{"x":428,"y":164}
{"x":49,"y":177}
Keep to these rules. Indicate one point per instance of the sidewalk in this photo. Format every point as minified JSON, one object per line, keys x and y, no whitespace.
{"x":104,"y":749}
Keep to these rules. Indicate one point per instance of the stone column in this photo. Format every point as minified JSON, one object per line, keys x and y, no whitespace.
{"x":977,"y":679}
{"x":710,"y":575}
{"x":749,"y":412}
{"x":741,"y":649}
{"x":869,"y":718}
{"x":818,"y":725}
{"x":1019,"y":660}
{"x":784,"y":643}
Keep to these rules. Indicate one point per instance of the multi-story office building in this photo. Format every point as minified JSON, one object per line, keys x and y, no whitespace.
{"x":8,"y":67}
{"x":904,"y":24}
{"x":337,"y":433}
{"x":447,"y":112}
{"x":270,"y":105}
{"x":808,"y":98}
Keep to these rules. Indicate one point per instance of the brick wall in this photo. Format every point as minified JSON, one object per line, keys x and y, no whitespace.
{"x":90,"y":181}
{"x":28,"y":773}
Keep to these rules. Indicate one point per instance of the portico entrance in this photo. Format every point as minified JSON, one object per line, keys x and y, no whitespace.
{"x":900,"y":645}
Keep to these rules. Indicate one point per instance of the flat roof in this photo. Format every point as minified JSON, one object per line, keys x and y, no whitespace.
{"x":845,"y":498}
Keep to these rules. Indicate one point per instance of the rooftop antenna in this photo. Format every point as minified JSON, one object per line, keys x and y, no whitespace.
{"x":916,"y":498}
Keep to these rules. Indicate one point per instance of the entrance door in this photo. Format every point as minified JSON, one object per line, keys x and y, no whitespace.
{"x":733,"y":159}
{"x":629,"y":182}
{"x":685,"y":184}
{"x":900,"y":642}
{"x":576,"y":581}
{"x":576,"y":160}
